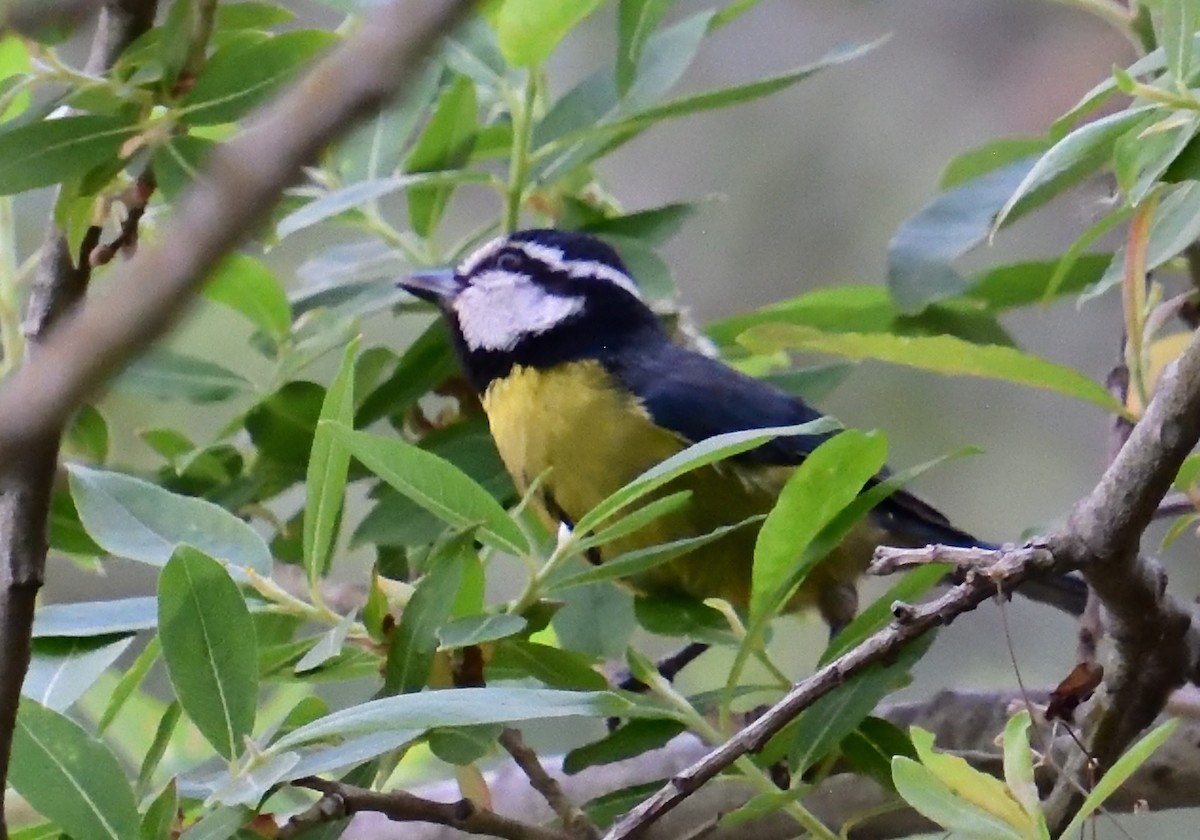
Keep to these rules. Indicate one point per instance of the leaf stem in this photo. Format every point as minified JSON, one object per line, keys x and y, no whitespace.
{"x":518,"y":170}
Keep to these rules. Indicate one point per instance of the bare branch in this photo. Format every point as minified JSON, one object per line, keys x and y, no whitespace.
{"x":27,"y":480}
{"x":889,"y":560}
{"x":574,"y":821}
{"x":912,"y":622}
{"x":342,"y":800}
{"x":244,"y":179}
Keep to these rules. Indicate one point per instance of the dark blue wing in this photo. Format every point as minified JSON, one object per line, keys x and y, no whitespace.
{"x":698,"y":397}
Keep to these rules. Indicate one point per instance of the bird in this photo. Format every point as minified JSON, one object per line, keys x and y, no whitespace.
{"x":584,"y":388}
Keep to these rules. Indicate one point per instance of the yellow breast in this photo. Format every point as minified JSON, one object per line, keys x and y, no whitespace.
{"x":574,"y":424}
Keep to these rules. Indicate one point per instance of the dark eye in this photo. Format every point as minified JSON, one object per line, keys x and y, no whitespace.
{"x":508,"y":261}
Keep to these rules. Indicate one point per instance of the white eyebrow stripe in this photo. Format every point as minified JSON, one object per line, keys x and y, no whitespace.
{"x":582,"y":269}
{"x":479,"y":255}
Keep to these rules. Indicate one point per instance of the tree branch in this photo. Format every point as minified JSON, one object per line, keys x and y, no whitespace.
{"x":243,"y":181}
{"x":964,"y":722}
{"x":574,"y":821}
{"x":342,"y":800}
{"x":27,"y":481}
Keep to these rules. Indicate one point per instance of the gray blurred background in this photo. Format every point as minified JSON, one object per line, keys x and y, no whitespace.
{"x":813,"y":183}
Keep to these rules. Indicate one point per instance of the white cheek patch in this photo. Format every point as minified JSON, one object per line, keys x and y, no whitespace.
{"x":581,"y":269}
{"x":500,"y":308}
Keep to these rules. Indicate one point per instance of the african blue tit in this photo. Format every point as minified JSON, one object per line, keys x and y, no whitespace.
{"x":582,"y":384}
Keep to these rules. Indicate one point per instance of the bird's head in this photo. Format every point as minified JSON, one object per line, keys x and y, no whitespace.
{"x":537,"y":298}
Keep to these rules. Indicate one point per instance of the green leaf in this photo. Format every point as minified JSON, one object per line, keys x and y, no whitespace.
{"x":426,"y":363}
{"x":1018,"y":770}
{"x":168,"y":375}
{"x":38,"y":154}
{"x":208,"y":644}
{"x":138,"y":520}
{"x":88,"y":434}
{"x":179,"y":162}
{"x":921,"y":254}
{"x":410,"y":654}
{"x":14,"y":62}
{"x":1068,"y":161}
{"x":328,"y":646}
{"x":940,"y":354}
{"x":62,"y":669}
{"x":161,"y":814}
{"x":1179,"y":21}
{"x":376,"y":147}
{"x":992,"y":155}
{"x":1025,"y":283}
{"x":715,"y":448}
{"x":130,"y":680}
{"x":95,"y":618}
{"x":1119,"y":773}
{"x":456,"y":707}
{"x":251,"y":15}
{"x":934,"y":800}
{"x":163,"y":733}
{"x":349,"y":752}
{"x":829,"y":479}
{"x":558,"y":668}
{"x":463,"y":745}
{"x":529,"y":30}
{"x":328,"y":466}
{"x":355,"y":195}
{"x":636,"y":22}
{"x":69,"y":777}
{"x":629,"y":741}
{"x":1141,"y":156}
{"x":435,"y":484}
{"x":1175,"y":226}
{"x":823,"y":725}
{"x":870,"y":748}
{"x":444,"y":144}
{"x":248,"y":287}
{"x":477,"y":629}
{"x":240,"y":75}
{"x":283,"y":425}
{"x":218,"y":824}
{"x":654,"y":227}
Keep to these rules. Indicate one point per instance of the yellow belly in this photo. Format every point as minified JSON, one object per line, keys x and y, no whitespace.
{"x":589,"y":438}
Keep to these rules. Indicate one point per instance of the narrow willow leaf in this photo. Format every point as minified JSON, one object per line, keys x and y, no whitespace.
{"x":96,"y":618}
{"x":515,"y":659}
{"x":629,"y":741}
{"x":61,"y":670}
{"x":708,"y":451}
{"x":410,"y":654}
{"x":248,"y":287}
{"x":990,"y":156}
{"x":168,"y":375}
{"x":636,"y":22}
{"x":529,"y":30}
{"x":934,"y":800}
{"x":921,"y":254}
{"x":208,"y":644}
{"x":1070,"y":159}
{"x":37,"y":154}
{"x":69,"y":777}
{"x":1119,"y":773}
{"x":138,"y":520}
{"x":477,"y":629}
{"x":436,"y":485}
{"x":355,"y":195}
{"x":129,"y":682}
{"x":1018,"y":770}
{"x":444,"y":144}
{"x":328,"y":467}
{"x":828,"y":480}
{"x":637,"y":519}
{"x":456,"y":707}
{"x":980,"y":789}
{"x":239,"y":75}
{"x":940,"y":354}
{"x":643,"y":560}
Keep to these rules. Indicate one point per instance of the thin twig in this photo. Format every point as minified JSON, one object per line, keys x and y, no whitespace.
{"x":911,"y":623}
{"x":574,"y":820}
{"x":340,"y":800}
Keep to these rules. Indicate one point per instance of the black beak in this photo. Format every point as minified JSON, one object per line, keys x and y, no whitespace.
{"x":437,"y":285}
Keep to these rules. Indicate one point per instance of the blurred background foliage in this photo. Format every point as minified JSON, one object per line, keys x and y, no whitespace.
{"x":799,"y":191}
